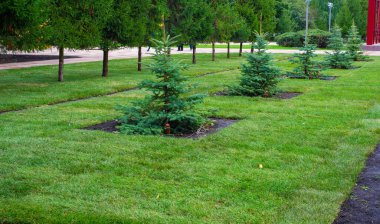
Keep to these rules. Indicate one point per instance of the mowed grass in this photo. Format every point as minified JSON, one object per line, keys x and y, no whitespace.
{"x":311,"y":147}
{"x":245,"y":46}
{"x":23,"y":88}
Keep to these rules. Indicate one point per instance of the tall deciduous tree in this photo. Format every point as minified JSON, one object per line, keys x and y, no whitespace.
{"x":241,"y":35}
{"x":154,"y":20}
{"x":258,"y":13}
{"x":22,"y":24}
{"x":344,"y":18}
{"x":126,"y":26}
{"x":76,"y":25}
{"x":191,"y":20}
{"x":229,"y":23}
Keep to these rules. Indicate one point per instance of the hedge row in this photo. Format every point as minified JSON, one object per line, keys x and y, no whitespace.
{"x":320,"y":38}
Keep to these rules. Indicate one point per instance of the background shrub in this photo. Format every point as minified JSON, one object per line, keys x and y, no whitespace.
{"x":319,"y":38}
{"x":290,"y":39}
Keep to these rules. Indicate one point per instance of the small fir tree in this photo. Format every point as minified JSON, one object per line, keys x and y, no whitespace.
{"x":306,"y":66}
{"x":166,"y":106}
{"x":259,"y":75}
{"x":354,"y":45}
{"x":338,"y":58}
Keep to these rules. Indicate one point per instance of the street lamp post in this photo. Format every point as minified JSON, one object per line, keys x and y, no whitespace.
{"x":330,"y":5}
{"x":307,"y":20}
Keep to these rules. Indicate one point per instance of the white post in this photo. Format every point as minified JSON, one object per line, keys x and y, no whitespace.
{"x":330,"y":5}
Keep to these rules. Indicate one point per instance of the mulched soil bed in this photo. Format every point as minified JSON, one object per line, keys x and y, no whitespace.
{"x":111,"y":126}
{"x":108,"y":126}
{"x":15,"y":58}
{"x":363,"y":205}
{"x":324,"y":78}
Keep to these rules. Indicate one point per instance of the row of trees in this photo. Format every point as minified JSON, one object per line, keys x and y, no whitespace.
{"x":109,"y":24}
{"x":290,"y":15}
{"x":29,"y":25}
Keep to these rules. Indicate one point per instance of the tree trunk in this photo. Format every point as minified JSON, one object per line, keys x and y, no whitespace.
{"x":252,"y":48}
{"x":213,"y":51}
{"x":105,"y":62}
{"x":228,"y":50}
{"x":194,"y":52}
{"x":60,"y":64}
{"x":139,"y":67}
{"x":241,"y":49}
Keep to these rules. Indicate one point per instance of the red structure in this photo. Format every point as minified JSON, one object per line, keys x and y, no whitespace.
{"x":373,"y":28}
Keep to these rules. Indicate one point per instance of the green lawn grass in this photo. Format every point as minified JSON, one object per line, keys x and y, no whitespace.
{"x":245,"y":46}
{"x":248,"y":46}
{"x":312,"y":148}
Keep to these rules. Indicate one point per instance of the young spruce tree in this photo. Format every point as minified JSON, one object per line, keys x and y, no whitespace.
{"x":354,"y":45}
{"x":306,"y":66}
{"x":338,"y":58}
{"x":259,"y":76}
{"x":166,"y":106}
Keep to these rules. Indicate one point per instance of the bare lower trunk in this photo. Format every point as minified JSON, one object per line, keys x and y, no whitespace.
{"x":105,"y":62}
{"x":241,"y":49}
{"x":252,"y":48}
{"x":60,"y":64}
{"x":228,"y":50}
{"x":194,"y":54}
{"x":213,"y":51}
{"x":139,"y":67}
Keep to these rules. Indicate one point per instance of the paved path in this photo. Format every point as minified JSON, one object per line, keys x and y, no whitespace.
{"x":97,"y":55}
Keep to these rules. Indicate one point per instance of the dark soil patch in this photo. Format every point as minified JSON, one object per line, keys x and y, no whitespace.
{"x":363,"y":205}
{"x":15,"y":58}
{"x":221,"y":93}
{"x":219,"y":123}
{"x":328,"y":78}
{"x":325,"y":78}
{"x":108,"y":126}
{"x":287,"y":95}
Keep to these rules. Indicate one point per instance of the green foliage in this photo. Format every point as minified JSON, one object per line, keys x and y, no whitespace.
{"x":252,"y":10}
{"x":306,"y":66}
{"x":284,"y":22}
{"x":22,"y":24}
{"x":77,"y":25}
{"x":319,"y":38}
{"x":290,"y":39}
{"x":354,"y":45}
{"x":338,"y":58}
{"x":344,"y":18}
{"x":343,"y":13}
{"x":191,"y":20}
{"x":259,"y":75}
{"x":229,"y":24}
{"x":167,"y":104}
{"x":126,"y":26}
